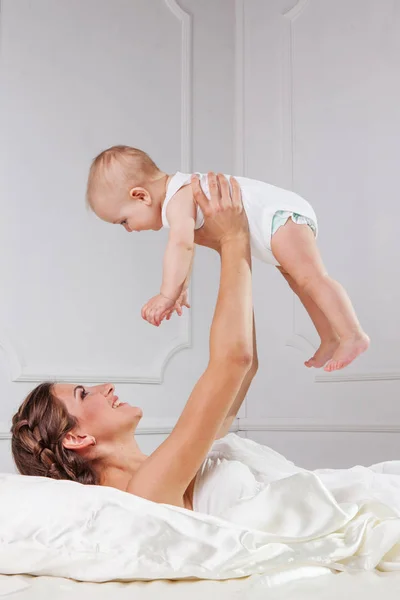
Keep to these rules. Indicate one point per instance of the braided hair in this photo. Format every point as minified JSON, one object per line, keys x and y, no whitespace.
{"x":38,"y":429}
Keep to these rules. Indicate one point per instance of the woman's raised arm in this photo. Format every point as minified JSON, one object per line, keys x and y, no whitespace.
{"x":166,"y":474}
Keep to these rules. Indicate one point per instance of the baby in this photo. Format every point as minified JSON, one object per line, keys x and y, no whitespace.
{"x":126,"y":188}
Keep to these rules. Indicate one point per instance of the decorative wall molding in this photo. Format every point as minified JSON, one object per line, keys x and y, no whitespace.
{"x":148,"y":426}
{"x":293,"y":13}
{"x":298,"y":341}
{"x":239,"y":88}
{"x":347,"y":376}
{"x":291,"y":425}
{"x":20,"y":372}
{"x":186,"y":83}
{"x":186,"y":162}
{"x":239,"y":115}
{"x":291,"y":16}
{"x":155,"y":376}
{"x":315,"y":425}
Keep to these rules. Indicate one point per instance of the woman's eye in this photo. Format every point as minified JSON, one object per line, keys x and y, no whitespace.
{"x":84,"y":393}
{"x":124,"y":222}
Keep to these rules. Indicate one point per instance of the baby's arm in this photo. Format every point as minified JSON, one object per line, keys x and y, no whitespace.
{"x":181,"y":214}
{"x":187,"y":280}
{"x":179,"y":252}
{"x":183,"y":299}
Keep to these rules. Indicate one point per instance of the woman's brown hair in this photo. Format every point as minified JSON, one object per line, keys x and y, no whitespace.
{"x":38,"y":429}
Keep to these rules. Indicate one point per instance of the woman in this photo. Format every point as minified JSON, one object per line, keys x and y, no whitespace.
{"x":85,"y":434}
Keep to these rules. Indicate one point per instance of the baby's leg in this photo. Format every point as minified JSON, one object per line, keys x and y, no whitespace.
{"x":329,"y":337}
{"x":295,"y":248}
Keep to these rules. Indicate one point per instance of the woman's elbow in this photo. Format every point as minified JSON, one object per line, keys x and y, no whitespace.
{"x":247,"y":361}
{"x":240,"y":358}
{"x":244,"y":360}
{"x":254,"y":367}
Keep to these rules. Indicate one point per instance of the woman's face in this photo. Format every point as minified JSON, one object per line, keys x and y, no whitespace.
{"x":98,"y":410}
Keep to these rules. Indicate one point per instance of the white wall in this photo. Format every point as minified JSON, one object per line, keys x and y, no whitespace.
{"x":75,"y":78}
{"x":302,"y":94}
{"x":320,"y":102}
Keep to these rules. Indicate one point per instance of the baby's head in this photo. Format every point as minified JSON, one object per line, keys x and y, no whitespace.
{"x":126,"y":187}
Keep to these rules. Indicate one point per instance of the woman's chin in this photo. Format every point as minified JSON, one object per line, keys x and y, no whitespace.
{"x":135,"y":413}
{"x":138,"y":411}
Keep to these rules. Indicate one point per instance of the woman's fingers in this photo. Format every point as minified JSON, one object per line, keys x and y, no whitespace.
{"x":199,"y":196}
{"x":236,"y":195}
{"x":223,"y":213}
{"x":226,"y":200}
{"x":215,"y":194}
{"x":221,"y":196}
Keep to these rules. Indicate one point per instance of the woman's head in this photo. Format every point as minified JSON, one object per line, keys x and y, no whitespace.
{"x":67,"y":431}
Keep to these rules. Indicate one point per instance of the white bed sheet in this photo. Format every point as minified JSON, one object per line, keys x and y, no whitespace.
{"x":298,"y":524}
{"x":368,"y":586}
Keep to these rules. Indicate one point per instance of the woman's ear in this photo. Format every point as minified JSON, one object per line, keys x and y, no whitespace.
{"x":73,"y":441}
{"x":140,"y":194}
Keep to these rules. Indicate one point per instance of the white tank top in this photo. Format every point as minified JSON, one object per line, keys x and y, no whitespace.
{"x":260,"y":200}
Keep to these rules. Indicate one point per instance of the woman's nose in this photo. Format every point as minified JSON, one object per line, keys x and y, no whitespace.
{"x":108,"y":389}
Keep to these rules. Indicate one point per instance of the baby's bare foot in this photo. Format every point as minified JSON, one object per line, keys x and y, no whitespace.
{"x":323,"y":354}
{"x":347,"y":351}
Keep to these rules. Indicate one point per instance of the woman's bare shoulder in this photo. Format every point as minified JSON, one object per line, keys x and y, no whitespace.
{"x":140,"y":487}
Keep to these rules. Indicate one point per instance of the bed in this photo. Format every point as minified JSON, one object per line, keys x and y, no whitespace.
{"x":323,"y":534}
{"x":368,"y":586}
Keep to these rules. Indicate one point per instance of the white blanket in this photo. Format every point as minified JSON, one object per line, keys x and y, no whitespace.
{"x":298,"y":520}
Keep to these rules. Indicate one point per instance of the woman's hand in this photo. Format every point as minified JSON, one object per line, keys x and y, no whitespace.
{"x":224,"y":217}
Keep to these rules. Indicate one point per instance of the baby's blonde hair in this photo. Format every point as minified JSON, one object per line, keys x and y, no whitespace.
{"x":117,"y":169}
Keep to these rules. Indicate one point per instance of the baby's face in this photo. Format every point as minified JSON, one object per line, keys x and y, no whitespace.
{"x":133,"y":215}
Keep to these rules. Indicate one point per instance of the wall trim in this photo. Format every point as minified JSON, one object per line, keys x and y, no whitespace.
{"x":19,"y":371}
{"x":299,"y":341}
{"x":315,"y":425}
{"x":156,"y":426}
{"x":344,"y":376}
{"x":90,"y":377}
{"x":293,"y":13}
{"x":186,"y":83}
{"x":147,"y":426}
{"x":239,"y":88}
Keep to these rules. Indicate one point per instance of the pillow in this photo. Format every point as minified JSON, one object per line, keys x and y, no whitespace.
{"x":96,"y":533}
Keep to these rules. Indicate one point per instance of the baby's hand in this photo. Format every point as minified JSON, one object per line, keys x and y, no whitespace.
{"x":178,"y":307}
{"x":182,"y":301}
{"x":156,"y":309}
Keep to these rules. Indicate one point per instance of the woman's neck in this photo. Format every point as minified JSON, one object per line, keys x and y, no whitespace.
{"x":119,"y":463}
